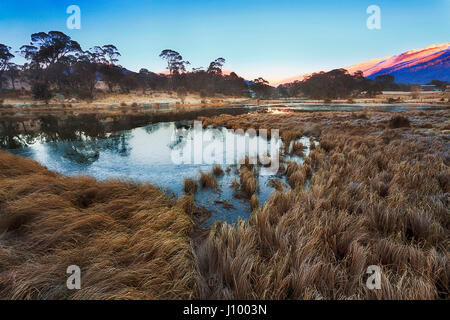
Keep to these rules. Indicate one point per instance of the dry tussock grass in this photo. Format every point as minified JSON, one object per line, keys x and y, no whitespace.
{"x":248,"y":181}
{"x":217,"y":170}
{"x":190,"y":186}
{"x":208,"y":180}
{"x":254,"y":202}
{"x":130,"y":240}
{"x":372,"y":201}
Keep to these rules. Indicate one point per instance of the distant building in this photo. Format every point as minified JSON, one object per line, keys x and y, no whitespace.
{"x":428,"y":87}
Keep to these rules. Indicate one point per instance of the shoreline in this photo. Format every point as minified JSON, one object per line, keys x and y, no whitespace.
{"x":111,"y":118}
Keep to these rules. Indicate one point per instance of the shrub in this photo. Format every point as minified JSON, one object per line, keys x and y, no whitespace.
{"x":41,"y":91}
{"x":85,"y":95}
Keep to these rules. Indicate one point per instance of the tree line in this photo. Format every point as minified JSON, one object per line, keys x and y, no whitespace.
{"x":340,"y":84}
{"x":58,"y":64}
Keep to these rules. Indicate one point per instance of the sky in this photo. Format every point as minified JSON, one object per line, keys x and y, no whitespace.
{"x":273,"y":39}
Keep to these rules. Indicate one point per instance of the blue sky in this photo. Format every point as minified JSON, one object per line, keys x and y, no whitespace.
{"x":274,"y":39}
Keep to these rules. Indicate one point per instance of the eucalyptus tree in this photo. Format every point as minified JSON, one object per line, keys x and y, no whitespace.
{"x":50,"y":57}
{"x":215,"y":67}
{"x":13,"y":74}
{"x":5,"y":58}
{"x":107,"y":57}
{"x":46,"y":49}
{"x":175,"y":62}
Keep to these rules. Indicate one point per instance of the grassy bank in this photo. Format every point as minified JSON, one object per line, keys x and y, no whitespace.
{"x":130,"y":241}
{"x":379,"y":195}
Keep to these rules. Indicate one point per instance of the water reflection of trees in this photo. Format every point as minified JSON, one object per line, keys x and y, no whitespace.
{"x":90,"y":132}
{"x":87,"y":150}
{"x":79,"y":139}
{"x":11,"y":137}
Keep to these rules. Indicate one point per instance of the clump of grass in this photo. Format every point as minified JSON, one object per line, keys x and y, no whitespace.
{"x":254,"y":202}
{"x":326,"y":144}
{"x":208,"y":180}
{"x":298,"y":149}
{"x":235,"y":184}
{"x":190,"y":186}
{"x":276,"y":184}
{"x":312,"y":143}
{"x":217,"y":170}
{"x":399,"y":122}
{"x":297,"y":178}
{"x":248,"y":182}
{"x":297,"y":174}
{"x":289,"y":136}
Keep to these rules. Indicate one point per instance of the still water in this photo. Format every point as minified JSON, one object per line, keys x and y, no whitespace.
{"x":152,"y":154}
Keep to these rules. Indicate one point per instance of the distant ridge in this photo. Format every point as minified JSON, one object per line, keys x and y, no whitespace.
{"x":414,"y":66}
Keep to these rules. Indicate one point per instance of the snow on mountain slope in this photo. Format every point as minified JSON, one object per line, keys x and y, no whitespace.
{"x":413,"y":66}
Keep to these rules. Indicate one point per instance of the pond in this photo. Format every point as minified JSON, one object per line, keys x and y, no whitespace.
{"x":164,"y":155}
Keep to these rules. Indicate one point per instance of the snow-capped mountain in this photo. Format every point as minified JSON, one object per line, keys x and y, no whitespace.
{"x":414,"y":66}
